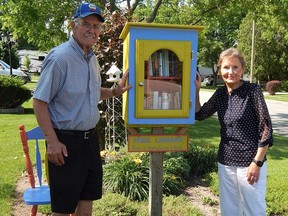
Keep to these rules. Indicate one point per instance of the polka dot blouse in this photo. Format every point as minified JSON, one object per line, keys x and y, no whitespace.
{"x":244,"y":120}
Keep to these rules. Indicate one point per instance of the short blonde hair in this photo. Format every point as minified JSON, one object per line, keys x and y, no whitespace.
{"x":231,"y":52}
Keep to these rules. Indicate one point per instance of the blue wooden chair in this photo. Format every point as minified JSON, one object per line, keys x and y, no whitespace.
{"x":36,"y":194}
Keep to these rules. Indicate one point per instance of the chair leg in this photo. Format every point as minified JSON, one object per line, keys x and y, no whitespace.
{"x":34,"y":210}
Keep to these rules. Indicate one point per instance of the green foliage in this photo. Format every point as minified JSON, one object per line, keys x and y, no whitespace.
{"x":109,"y":51}
{"x":115,"y":205}
{"x":179,"y":206}
{"x":175,"y":163}
{"x":209,"y":201}
{"x":201,"y":159}
{"x":220,"y":32}
{"x":13,"y":93}
{"x":271,"y":37}
{"x":118,"y":205}
{"x":48,"y":19}
{"x":175,"y":170}
{"x":284,"y":85}
{"x":27,"y":62}
{"x":109,"y":48}
{"x":4,"y":54}
{"x":211,"y":179}
{"x":128,"y":175}
{"x":273,"y":86}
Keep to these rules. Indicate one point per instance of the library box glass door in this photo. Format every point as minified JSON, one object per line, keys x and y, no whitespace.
{"x":162,"y":79}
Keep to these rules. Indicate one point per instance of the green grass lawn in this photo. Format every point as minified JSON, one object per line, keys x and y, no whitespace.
{"x":12,"y":162}
{"x":279,"y":96}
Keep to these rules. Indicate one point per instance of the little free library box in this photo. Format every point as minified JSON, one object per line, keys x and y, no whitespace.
{"x":162,"y":62}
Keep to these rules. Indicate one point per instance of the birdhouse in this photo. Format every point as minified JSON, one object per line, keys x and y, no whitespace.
{"x":114,"y":74}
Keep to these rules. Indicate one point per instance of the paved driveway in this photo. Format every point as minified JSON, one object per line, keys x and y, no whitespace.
{"x":279,"y":115}
{"x":278,"y":112}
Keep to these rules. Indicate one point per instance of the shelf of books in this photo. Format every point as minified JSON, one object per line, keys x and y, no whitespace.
{"x":163,"y":81}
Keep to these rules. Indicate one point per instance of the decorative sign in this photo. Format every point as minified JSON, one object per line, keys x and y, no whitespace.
{"x":157,"y":143}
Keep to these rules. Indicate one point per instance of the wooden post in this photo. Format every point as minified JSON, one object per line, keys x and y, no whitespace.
{"x":156,"y":179}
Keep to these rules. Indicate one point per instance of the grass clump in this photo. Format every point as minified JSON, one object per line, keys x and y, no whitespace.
{"x":114,"y":204}
{"x":128,"y":175}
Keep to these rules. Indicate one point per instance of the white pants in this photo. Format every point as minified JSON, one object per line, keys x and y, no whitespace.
{"x":237,"y":196}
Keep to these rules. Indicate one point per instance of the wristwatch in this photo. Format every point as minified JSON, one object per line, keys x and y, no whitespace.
{"x":258,"y":162}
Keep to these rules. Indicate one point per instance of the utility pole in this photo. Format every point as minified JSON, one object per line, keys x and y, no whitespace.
{"x":252,"y":51}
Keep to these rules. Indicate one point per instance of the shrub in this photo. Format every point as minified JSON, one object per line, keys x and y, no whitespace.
{"x":128,"y":174}
{"x":201,"y":159}
{"x":13,"y":93}
{"x":27,"y":62}
{"x":175,"y":170}
{"x":273,"y":86}
{"x":284,"y":85}
{"x":176,"y":164}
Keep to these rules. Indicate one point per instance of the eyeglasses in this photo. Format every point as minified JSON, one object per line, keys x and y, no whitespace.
{"x":227,"y":68}
{"x":88,"y":26}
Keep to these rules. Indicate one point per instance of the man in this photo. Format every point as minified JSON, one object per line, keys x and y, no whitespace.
{"x":65,"y":104}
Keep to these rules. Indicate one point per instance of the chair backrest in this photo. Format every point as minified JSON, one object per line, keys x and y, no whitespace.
{"x":36,"y":135}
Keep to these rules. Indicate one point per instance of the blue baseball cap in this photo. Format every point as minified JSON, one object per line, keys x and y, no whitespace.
{"x":85,"y":9}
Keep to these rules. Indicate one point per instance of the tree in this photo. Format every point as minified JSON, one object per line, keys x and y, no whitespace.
{"x":50,"y":19}
{"x":4,"y":54}
{"x":271,"y":39}
{"x":221,"y":28}
{"x":109,"y":51}
{"x":41,"y":23}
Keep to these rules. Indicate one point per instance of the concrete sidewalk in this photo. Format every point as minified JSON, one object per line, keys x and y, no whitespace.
{"x":278,"y":111}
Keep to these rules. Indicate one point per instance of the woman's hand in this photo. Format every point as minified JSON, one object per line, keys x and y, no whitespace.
{"x":198,"y":82}
{"x":253,"y":173}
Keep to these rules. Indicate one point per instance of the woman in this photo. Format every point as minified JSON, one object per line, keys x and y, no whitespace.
{"x":246,"y":133}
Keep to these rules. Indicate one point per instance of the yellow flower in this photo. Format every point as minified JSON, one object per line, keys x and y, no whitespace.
{"x":173,"y":177}
{"x":137,"y":161}
{"x":103,"y":153}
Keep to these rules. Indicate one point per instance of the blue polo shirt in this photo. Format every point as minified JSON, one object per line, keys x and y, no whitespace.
{"x":70,"y":83}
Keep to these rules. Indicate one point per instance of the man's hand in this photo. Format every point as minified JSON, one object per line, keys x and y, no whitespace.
{"x":121,"y":87}
{"x":56,"y":152}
